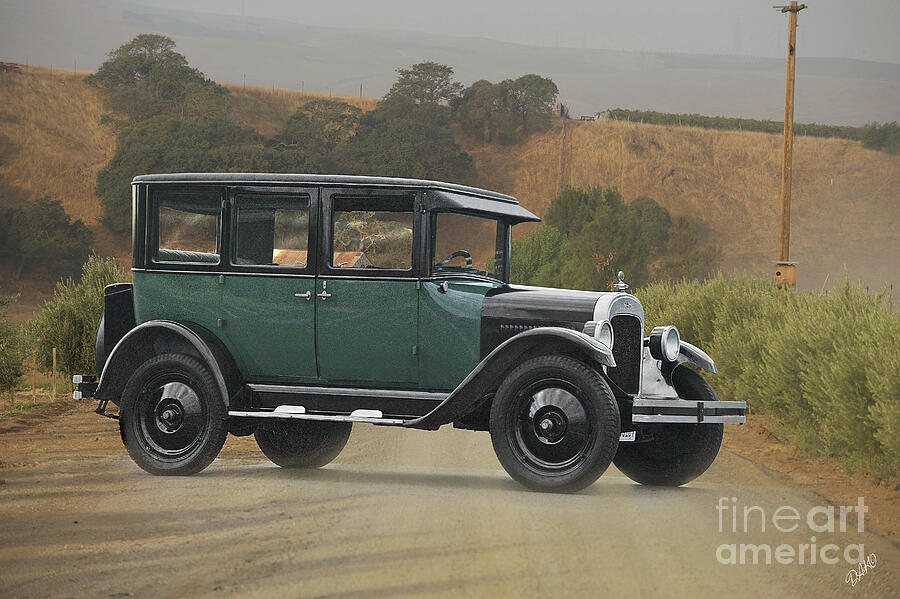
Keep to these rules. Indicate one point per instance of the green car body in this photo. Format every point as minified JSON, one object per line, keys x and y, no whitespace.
{"x":265,"y":302}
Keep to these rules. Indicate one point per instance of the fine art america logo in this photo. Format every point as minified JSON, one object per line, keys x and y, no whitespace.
{"x":820,"y":519}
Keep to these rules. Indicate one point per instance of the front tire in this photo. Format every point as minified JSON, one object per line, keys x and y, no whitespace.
{"x":678,"y":453}
{"x":172,"y":416}
{"x":302,"y":443}
{"x":555,"y":424}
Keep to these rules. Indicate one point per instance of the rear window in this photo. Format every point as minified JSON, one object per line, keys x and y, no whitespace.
{"x":187,"y":226}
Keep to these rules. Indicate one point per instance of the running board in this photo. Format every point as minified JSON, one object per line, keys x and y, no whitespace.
{"x":300,"y":413}
{"x":683,"y":411}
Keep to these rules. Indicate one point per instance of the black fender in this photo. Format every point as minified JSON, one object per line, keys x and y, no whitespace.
{"x":487,"y":376}
{"x":163,"y":336}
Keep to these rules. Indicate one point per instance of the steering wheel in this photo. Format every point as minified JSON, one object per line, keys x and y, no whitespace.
{"x":457,"y":254}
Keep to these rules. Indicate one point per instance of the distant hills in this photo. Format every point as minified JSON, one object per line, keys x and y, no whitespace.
{"x":292,"y":56}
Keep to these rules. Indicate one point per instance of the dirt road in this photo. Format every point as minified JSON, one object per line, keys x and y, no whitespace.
{"x":400,"y":513}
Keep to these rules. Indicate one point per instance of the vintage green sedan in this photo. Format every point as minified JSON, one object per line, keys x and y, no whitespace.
{"x":291,"y":306}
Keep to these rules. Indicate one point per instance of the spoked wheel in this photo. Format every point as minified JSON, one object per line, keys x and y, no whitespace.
{"x":555,"y":424}
{"x":172,"y":416}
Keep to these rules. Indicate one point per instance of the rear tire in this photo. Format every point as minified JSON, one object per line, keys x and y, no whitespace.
{"x":679,"y":453}
{"x":302,"y":443}
{"x":172,"y":416}
{"x":555,"y":424}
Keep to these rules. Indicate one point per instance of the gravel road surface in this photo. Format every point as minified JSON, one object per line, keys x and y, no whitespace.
{"x":399,"y":513}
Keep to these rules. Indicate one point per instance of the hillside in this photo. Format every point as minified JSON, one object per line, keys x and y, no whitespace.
{"x":846,"y":208}
{"x":296,"y":55}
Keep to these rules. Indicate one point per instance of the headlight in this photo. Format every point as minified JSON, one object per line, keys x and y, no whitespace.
{"x":665,"y":343}
{"x":601,"y":331}
{"x":604,"y":334}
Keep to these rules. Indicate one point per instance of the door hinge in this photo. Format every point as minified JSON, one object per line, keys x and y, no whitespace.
{"x":415,"y":350}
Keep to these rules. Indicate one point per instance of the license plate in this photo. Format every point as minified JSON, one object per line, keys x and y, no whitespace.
{"x":627,"y":436}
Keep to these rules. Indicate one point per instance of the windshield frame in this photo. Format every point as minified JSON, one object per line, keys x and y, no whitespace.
{"x":501,"y":249}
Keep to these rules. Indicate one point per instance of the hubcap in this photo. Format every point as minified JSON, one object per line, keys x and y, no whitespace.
{"x":552,"y":427}
{"x":172,"y":418}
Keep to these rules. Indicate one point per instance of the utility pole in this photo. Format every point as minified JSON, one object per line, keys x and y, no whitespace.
{"x":786,"y":271}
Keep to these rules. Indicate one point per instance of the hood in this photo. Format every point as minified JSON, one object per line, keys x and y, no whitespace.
{"x":555,"y":306}
{"x":513,"y":309}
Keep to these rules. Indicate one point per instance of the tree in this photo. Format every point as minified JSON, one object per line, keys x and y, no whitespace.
{"x":165,"y":144}
{"x":42,"y":236}
{"x":146,"y":77}
{"x":532,"y":98}
{"x":320,"y":126}
{"x":402,"y":138}
{"x":426,"y":82}
{"x":655,"y":223}
{"x":482,"y":109}
{"x":592,"y":234}
{"x":535,"y":256}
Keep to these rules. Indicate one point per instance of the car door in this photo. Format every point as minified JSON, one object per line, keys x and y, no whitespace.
{"x":366,"y":291}
{"x":268,"y":306}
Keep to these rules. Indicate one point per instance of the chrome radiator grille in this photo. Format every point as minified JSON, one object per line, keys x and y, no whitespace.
{"x":627,"y":347}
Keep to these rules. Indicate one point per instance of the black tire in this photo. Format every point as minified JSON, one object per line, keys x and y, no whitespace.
{"x":172,"y":416}
{"x":678,"y":453}
{"x":302,"y":443}
{"x":554,"y":424}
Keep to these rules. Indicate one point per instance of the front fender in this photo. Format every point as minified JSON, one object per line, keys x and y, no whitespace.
{"x":698,"y":357}
{"x":152,"y":338}
{"x":487,"y":375}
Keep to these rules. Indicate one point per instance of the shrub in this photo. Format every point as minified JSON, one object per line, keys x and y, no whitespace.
{"x":884,"y":137}
{"x":69,"y":320}
{"x":823,"y":366}
{"x":12,"y":350}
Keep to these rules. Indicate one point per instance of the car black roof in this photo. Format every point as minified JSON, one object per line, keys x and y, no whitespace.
{"x":438,"y":194}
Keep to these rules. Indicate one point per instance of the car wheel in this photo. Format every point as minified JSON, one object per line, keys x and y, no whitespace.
{"x":678,"y":453}
{"x":554,"y":424}
{"x":302,"y":443}
{"x":172,"y":416}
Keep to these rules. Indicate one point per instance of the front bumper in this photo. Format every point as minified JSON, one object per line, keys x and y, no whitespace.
{"x":684,"y":411}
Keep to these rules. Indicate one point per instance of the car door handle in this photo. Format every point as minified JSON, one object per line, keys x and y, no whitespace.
{"x":324,"y":295}
{"x":307,"y":295}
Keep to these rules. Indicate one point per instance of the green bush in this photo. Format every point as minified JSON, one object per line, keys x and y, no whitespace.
{"x":69,"y":320}
{"x":884,"y":137}
{"x":823,"y":366}
{"x":12,"y":350}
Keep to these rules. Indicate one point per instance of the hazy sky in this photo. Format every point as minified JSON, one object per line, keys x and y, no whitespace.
{"x":865,"y":29}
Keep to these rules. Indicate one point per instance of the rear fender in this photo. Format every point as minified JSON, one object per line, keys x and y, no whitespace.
{"x":165,"y":336}
{"x":490,"y":372}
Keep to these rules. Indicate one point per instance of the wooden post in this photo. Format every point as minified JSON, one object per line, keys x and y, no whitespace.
{"x":784,"y":244}
{"x":54,"y":372}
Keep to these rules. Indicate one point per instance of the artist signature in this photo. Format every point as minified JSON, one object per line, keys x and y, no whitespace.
{"x":856,"y":574}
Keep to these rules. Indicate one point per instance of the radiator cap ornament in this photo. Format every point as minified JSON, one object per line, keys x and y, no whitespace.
{"x":621,"y":285}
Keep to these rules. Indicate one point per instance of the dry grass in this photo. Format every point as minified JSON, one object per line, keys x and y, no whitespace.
{"x":845,"y":207}
{"x":59,"y":144}
{"x":266,"y":109}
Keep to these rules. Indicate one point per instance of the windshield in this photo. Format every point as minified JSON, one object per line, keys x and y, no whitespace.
{"x":462,"y":243}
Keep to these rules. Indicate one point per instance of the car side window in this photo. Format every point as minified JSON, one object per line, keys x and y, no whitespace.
{"x":271,"y":230}
{"x":187,"y":226}
{"x":372,"y":233}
